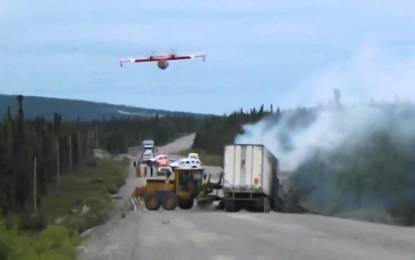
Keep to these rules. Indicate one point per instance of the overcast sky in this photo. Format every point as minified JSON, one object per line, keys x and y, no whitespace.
{"x":286,"y":53}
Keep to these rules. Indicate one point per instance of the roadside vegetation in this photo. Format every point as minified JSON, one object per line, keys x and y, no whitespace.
{"x":54,"y":242}
{"x":85,"y":198}
{"x":54,"y":232}
{"x":51,"y":187}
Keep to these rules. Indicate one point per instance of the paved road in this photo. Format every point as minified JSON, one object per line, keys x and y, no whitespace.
{"x":197,"y":234}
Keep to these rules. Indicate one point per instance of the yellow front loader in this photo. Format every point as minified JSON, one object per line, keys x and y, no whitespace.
{"x":177,"y":187}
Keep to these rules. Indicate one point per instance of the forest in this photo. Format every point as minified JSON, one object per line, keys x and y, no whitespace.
{"x":212,"y":132}
{"x":216,"y":132}
{"x":117,"y":134}
{"x":56,"y":147}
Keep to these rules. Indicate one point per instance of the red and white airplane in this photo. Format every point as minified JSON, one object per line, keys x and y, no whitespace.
{"x":163,"y":60}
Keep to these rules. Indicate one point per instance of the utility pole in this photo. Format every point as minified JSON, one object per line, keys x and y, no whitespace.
{"x":70,"y":152}
{"x":35,"y":184}
{"x":79,"y":148}
{"x":58,"y":166}
{"x":88,"y":143}
{"x":96,"y":137}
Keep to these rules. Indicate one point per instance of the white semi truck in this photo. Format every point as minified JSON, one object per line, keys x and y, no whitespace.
{"x":250,"y":178}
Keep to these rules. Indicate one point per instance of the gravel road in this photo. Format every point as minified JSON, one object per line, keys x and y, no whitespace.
{"x":197,"y":234}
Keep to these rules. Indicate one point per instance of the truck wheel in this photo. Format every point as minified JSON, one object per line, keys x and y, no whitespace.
{"x":169,"y":200}
{"x":186,"y":204}
{"x":266,"y":204}
{"x":230,"y":206}
{"x":152,"y":200}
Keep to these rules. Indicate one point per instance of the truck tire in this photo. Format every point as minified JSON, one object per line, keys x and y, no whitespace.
{"x":169,"y":200}
{"x":230,"y":206}
{"x":152,"y":200}
{"x":266,"y":204}
{"x":186,"y":204}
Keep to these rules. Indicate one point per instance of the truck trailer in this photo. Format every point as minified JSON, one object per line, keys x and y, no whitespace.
{"x":250,"y":178}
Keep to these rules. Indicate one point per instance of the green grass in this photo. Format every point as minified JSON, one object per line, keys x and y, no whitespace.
{"x":206,"y":158}
{"x":91,"y":187}
{"x":54,"y":242}
{"x":28,"y":236}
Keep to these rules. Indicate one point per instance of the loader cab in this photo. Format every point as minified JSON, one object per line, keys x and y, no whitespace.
{"x":188,"y":185}
{"x":189,"y":180}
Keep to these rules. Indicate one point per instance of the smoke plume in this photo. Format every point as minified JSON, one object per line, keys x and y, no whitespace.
{"x":354,"y":160}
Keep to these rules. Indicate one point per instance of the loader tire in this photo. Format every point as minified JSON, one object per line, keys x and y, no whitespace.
{"x":186,"y":204}
{"x":152,"y":200}
{"x":169,"y":200}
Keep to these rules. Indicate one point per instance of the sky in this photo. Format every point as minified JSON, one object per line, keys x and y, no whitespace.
{"x":285,"y":53}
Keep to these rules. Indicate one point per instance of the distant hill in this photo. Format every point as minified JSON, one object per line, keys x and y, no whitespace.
{"x":85,"y":110}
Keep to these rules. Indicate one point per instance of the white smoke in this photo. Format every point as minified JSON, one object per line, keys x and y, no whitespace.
{"x":372,"y":74}
{"x":328,"y":130}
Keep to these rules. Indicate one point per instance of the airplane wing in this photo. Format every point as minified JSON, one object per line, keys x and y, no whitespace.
{"x":136,"y":60}
{"x":203,"y":56}
{"x":162,"y":57}
{"x":186,"y":57}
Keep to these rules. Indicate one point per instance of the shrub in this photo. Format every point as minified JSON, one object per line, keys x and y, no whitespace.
{"x":112,"y":189}
{"x":33,"y":222}
{"x":92,"y":163}
{"x":52,"y":243}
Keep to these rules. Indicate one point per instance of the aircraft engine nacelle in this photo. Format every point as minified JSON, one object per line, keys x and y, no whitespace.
{"x":162,"y":64}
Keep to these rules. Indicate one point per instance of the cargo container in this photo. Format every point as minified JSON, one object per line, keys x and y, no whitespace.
{"x":250,"y":178}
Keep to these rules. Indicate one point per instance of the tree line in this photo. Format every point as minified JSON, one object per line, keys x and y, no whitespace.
{"x":35,"y":153}
{"x":212,"y":132}
{"x":117,"y":134}
{"x":215,"y":132}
